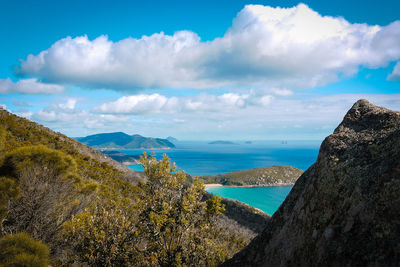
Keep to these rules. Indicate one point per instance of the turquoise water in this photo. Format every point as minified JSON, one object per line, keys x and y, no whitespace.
{"x":267,"y":199}
{"x":201,"y":158}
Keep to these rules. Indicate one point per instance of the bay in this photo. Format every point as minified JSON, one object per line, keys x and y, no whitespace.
{"x":201,"y":158}
{"x":267,"y":199}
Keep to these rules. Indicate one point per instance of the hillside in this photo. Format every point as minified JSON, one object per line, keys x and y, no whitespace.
{"x":267,"y":176}
{"x":122,"y":157}
{"x":21,"y":132}
{"x":119,"y":140}
{"x":172,"y":139}
{"x":345,"y":209}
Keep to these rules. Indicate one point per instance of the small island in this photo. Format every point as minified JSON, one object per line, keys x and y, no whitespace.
{"x":221,"y":142}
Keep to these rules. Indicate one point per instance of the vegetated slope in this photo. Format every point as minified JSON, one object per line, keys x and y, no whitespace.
{"x":22,"y":132}
{"x":80,"y":202}
{"x":172,"y":139}
{"x":123,"y":140}
{"x":121,"y":157}
{"x":267,"y":176}
{"x":243,"y":218}
{"x":345,"y":209}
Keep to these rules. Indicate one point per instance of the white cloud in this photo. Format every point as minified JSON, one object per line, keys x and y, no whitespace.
{"x":229,"y":116}
{"x":155,"y":103}
{"x":70,"y":104}
{"x":29,"y":86}
{"x":282,"y":92}
{"x":3,"y":106}
{"x":395,"y":75}
{"x":58,"y":115}
{"x":294,"y":48}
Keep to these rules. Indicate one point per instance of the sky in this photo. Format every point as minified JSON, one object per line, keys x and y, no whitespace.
{"x":197,"y":70}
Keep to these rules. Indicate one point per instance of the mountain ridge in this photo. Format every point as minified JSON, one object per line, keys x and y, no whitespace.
{"x":121,"y":140}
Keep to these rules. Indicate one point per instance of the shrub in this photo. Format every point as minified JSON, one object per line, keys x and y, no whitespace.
{"x":22,"y":250}
{"x":47,"y":183}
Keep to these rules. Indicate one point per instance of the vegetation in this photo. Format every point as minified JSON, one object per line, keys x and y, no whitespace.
{"x":121,"y":157}
{"x":274,"y":175}
{"x":178,"y":226}
{"x":22,"y":250}
{"x":88,"y":210}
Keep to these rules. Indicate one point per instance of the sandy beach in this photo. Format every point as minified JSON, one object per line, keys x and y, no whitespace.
{"x":212,"y":185}
{"x":260,"y":185}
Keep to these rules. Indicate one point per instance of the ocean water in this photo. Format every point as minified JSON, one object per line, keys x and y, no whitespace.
{"x":267,"y":199}
{"x":201,"y":158}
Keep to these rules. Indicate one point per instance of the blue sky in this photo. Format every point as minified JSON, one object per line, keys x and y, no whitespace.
{"x":208,"y":70}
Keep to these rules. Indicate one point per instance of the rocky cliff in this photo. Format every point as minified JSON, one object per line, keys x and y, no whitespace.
{"x":345,"y":209}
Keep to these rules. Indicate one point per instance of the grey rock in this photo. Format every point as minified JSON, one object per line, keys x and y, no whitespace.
{"x":345,"y":209}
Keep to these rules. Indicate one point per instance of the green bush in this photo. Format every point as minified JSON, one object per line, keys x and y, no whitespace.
{"x":8,"y":190}
{"x":22,"y":250}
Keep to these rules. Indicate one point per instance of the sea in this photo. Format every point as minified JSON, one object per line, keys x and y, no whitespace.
{"x":201,"y":158}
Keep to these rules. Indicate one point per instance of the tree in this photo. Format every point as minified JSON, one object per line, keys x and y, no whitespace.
{"x":174,"y":223}
{"x":22,"y":250}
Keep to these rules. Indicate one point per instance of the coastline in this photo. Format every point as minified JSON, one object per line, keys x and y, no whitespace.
{"x":244,"y":186}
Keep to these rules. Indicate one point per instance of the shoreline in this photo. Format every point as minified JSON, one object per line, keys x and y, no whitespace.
{"x":248,"y":186}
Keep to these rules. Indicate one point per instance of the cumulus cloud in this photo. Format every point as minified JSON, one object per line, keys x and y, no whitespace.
{"x":58,"y":115}
{"x":292,"y":47}
{"x":29,"y":86}
{"x":156,"y":103}
{"x":395,"y":75}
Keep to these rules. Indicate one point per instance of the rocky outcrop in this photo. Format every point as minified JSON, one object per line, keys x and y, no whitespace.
{"x":345,"y":209}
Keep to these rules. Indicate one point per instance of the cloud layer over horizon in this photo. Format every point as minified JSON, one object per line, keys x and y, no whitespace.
{"x":293,"y":48}
{"x":29,"y":86}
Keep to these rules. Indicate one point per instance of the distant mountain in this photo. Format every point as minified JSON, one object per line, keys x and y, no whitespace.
{"x":123,"y":140}
{"x":172,"y":139}
{"x":220,"y":142}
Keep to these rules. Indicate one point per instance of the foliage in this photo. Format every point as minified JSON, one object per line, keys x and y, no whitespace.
{"x":174,"y":221}
{"x":22,"y":250}
{"x":102,"y":237}
{"x":48,"y":184}
{"x":168,"y":225}
{"x":8,"y":190}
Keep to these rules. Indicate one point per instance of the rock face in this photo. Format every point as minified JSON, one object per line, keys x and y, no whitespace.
{"x":345,"y":209}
